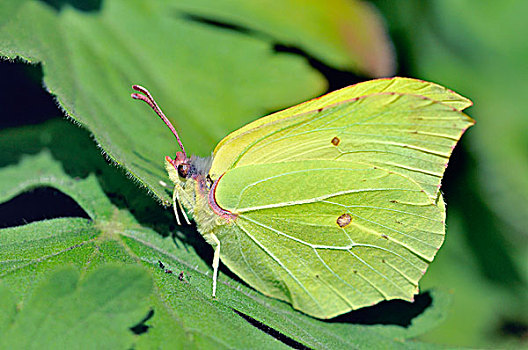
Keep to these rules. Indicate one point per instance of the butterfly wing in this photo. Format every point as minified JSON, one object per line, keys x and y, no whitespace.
{"x":228,"y":151}
{"x":328,"y":236}
{"x":339,"y":207}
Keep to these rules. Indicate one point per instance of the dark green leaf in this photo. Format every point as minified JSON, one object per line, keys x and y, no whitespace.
{"x":66,"y":312}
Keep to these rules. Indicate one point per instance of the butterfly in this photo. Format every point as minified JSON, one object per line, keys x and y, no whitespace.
{"x":330,"y":205}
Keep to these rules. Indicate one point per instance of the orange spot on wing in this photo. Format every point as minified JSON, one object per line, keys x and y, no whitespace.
{"x":344,"y":220}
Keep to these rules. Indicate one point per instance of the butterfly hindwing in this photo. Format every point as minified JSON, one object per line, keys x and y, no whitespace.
{"x":331,"y":236}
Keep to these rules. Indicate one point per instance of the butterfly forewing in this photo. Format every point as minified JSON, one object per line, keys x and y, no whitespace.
{"x":230,"y":148}
{"x":408,"y":134}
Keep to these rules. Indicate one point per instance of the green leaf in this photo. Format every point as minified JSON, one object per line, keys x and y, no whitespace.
{"x":67,"y":312}
{"x":184,"y":313}
{"x":7,"y":307}
{"x":345,"y":34}
{"x":208,"y":80}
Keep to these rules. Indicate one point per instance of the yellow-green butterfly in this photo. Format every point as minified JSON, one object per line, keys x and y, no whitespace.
{"x":330,"y":205}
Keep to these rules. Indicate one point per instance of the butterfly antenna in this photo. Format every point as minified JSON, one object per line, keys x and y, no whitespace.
{"x":147,"y":97}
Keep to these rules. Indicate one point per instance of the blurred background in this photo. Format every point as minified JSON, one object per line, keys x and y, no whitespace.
{"x":478,"y":49}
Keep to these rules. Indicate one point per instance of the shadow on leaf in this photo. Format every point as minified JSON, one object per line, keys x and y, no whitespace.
{"x":142,"y":326}
{"x":273,"y":332}
{"x":389,"y":312}
{"x":81,"y":5}
{"x":42,"y":203}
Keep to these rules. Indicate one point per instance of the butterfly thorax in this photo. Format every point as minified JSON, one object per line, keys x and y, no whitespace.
{"x":192,"y":189}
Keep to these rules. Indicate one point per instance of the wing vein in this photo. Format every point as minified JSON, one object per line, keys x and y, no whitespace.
{"x":281,"y":264}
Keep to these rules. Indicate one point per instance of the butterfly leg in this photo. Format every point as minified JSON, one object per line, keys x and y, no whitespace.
{"x":183,"y":212}
{"x":216,"y":261}
{"x":174,"y":200}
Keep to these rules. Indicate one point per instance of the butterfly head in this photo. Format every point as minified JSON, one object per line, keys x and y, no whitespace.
{"x":181,"y":163}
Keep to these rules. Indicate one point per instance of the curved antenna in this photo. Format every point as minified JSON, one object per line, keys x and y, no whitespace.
{"x":147,"y":97}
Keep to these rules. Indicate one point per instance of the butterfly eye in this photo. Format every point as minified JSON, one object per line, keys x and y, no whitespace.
{"x":183,"y":170}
